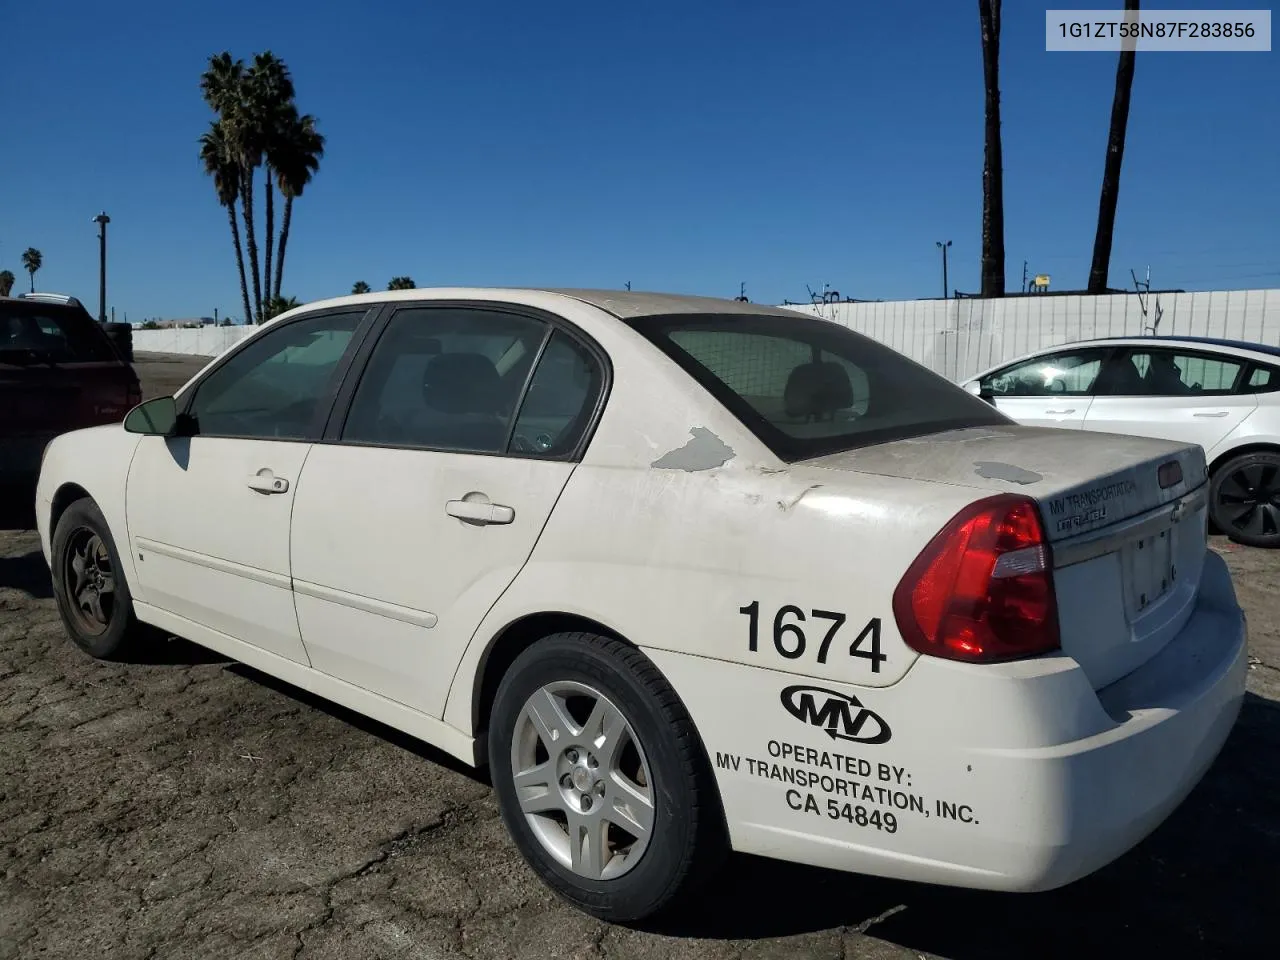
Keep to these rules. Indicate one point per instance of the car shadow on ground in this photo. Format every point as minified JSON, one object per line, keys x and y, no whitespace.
{"x":17,"y":506}
{"x":1203,"y":885}
{"x":28,"y":574}
{"x":365,"y":724}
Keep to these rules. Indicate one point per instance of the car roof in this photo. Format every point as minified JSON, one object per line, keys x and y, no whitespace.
{"x":623,"y":304}
{"x":1205,"y":341}
{"x":1256,"y":349}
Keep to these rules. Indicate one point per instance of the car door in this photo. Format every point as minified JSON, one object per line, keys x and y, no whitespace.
{"x":1185,"y":395}
{"x":208,"y":514}
{"x":1051,"y":390}
{"x":422,"y":505}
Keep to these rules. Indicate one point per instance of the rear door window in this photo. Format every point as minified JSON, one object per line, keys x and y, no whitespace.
{"x":807,"y":387}
{"x":1173,"y":373}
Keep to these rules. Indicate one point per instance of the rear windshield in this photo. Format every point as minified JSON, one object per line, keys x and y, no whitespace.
{"x":808,"y":387}
{"x":50,"y":334}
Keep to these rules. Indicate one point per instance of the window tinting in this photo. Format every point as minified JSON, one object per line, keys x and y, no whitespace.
{"x":808,"y":387}
{"x":63,"y":335}
{"x":1061,"y":374}
{"x":560,"y":401}
{"x":1264,"y":380}
{"x":445,"y":378}
{"x":1169,"y":373}
{"x":272,"y":388}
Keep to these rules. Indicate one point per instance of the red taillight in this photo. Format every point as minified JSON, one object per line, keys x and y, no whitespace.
{"x":982,"y":590}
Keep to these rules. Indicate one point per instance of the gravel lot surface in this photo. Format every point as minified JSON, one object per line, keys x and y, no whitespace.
{"x":189,"y":807}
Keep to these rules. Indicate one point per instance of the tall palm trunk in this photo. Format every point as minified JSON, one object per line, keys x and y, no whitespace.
{"x":235,"y":237}
{"x":1111,"y":171}
{"x":993,"y":160}
{"x":250,"y":238}
{"x":284,"y":239}
{"x":271,"y":238}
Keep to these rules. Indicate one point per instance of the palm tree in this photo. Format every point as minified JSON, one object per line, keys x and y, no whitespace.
{"x":401,"y":283}
{"x":359,"y":287}
{"x":32,"y":260}
{"x":296,"y":160}
{"x":7,"y":280}
{"x":219,"y":163}
{"x":993,"y":161}
{"x":278,"y":305}
{"x":270,"y":93}
{"x":227,"y":91}
{"x":1111,"y":169}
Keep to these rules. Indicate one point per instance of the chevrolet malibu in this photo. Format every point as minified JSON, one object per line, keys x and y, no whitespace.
{"x":687,"y":575}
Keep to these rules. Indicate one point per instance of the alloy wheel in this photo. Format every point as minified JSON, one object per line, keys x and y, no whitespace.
{"x":582,"y":780}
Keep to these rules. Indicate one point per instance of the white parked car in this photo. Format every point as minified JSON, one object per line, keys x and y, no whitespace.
{"x":1221,"y":394}
{"x":688,"y":575}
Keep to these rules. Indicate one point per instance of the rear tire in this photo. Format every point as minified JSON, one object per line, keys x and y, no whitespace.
{"x":1244,"y":499}
{"x":587,"y":741}
{"x":89,"y":585}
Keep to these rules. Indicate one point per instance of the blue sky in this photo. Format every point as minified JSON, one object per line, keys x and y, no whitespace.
{"x":678,"y":146}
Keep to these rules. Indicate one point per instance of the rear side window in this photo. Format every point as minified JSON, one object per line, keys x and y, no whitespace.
{"x":808,"y":387}
{"x":60,"y":335}
{"x":1263,"y":380}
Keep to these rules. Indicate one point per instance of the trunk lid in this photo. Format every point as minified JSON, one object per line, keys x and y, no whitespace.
{"x":1127,"y":530}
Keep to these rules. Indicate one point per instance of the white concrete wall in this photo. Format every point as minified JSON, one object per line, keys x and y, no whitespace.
{"x":958,"y":338}
{"x":202,"y":342}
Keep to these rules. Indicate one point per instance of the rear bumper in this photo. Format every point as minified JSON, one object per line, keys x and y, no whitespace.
{"x":1014,"y":777}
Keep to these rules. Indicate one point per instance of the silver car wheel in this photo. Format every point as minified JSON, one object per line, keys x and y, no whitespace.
{"x":582,"y":780}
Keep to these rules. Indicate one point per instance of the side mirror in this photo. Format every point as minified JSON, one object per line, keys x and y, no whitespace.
{"x":975,"y":387}
{"x":157,"y":418}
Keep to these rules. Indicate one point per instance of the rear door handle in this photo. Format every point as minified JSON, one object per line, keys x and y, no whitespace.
{"x":1215,"y":413}
{"x":267,"y":482}
{"x":1068,"y":410}
{"x":479,"y":511}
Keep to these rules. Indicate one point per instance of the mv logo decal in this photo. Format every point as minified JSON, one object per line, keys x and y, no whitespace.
{"x":842,"y":716}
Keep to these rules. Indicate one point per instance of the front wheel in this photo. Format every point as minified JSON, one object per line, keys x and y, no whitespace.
{"x":1244,"y":499}
{"x":89,"y":585}
{"x":601,"y":778}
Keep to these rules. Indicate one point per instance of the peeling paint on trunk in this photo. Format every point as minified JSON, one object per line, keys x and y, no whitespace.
{"x":995,"y":470}
{"x":705,"y":451}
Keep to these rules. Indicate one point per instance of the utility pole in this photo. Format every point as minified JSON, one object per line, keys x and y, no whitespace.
{"x":1024,"y":276}
{"x":943,"y":247}
{"x":102,"y":220}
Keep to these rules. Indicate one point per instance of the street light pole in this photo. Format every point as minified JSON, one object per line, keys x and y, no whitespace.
{"x":102,"y":220}
{"x":943,"y":247}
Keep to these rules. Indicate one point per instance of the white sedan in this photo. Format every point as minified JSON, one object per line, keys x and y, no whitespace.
{"x":687,"y":575}
{"x":1221,"y":394}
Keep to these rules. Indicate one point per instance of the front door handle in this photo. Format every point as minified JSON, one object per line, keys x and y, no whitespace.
{"x":1068,"y":410}
{"x":479,"y":511}
{"x":267,"y":482}
{"x":1215,"y":413}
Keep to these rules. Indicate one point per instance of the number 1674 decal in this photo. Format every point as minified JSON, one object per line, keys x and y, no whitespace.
{"x":792,"y":641}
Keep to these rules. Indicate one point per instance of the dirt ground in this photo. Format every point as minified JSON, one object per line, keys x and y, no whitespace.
{"x":189,"y":807}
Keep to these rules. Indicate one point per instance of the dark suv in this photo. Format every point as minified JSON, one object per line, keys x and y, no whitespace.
{"x":59,"y":371}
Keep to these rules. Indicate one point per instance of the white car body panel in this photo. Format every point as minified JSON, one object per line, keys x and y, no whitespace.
{"x":678,"y":530}
{"x":210,"y":549}
{"x":1065,"y":413}
{"x":1203,"y":420}
{"x":1220,"y":424}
